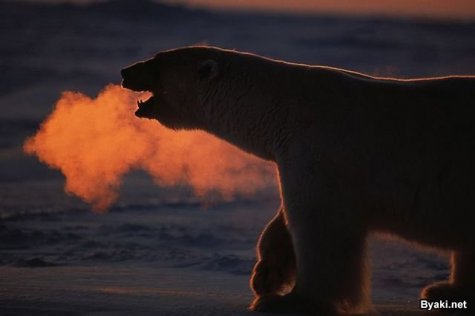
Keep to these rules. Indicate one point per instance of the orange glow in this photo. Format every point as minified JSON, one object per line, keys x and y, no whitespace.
{"x":431,"y":8}
{"x":94,"y":142}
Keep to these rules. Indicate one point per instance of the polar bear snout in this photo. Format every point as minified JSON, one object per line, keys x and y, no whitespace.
{"x":138,"y":77}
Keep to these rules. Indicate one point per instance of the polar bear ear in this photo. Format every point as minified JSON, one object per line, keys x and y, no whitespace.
{"x":208,"y":69}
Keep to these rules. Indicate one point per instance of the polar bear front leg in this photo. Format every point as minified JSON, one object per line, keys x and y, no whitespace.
{"x":461,"y":284}
{"x":326,"y":222}
{"x":332,"y":268}
{"x":274,"y":272}
{"x":331,"y":272}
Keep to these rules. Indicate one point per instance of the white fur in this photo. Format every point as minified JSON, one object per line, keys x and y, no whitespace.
{"x":355,"y":154}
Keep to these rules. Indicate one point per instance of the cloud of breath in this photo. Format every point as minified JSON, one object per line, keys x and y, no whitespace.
{"x":95,"y":142}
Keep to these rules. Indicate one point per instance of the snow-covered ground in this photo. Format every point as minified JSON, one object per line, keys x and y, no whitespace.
{"x":162,"y":251}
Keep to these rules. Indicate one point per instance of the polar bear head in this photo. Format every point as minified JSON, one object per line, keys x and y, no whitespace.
{"x":179,"y":81}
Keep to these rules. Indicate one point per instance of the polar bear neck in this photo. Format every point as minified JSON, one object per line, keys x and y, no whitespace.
{"x":243,"y":109}
{"x":260,"y":104}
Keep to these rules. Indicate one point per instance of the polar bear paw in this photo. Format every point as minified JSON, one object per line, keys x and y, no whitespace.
{"x":448,"y":291}
{"x":284,"y":304}
{"x":269,"y":279}
{"x":288,"y":304}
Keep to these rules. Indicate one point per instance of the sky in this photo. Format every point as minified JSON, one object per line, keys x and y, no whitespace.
{"x":452,"y":9}
{"x":463,"y":9}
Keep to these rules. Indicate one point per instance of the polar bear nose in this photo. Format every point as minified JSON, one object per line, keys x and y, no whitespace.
{"x":124,"y":71}
{"x":138,"y":77}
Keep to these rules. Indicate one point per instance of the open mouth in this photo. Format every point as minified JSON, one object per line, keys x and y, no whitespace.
{"x":145,"y":107}
{"x":147,"y":98}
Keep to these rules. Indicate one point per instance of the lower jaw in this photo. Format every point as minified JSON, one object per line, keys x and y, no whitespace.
{"x":143,"y":113}
{"x":145,"y":109}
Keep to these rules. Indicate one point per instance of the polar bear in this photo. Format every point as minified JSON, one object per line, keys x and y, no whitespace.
{"x":355,"y":154}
